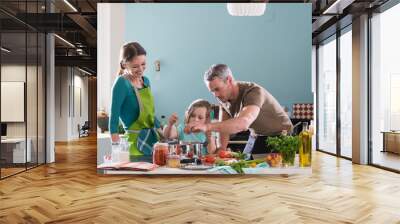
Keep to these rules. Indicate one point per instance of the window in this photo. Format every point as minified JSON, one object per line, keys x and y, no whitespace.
{"x":346,"y":93}
{"x":327,"y":95}
{"x":385,"y":88}
{"x":22,"y":74}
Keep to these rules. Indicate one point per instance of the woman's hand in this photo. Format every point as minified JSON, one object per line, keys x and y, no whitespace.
{"x":115,"y":138}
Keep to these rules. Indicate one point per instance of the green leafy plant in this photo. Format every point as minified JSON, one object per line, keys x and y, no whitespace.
{"x":286,"y":145}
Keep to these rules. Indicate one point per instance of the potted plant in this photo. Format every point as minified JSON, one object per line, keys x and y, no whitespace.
{"x":102,"y":120}
{"x":286,"y":145}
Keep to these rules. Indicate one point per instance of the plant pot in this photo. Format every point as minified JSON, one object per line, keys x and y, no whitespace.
{"x":102,"y":122}
{"x":287,"y":146}
{"x":288,"y":158}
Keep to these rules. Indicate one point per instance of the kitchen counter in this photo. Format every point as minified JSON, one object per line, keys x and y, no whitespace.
{"x":295,"y":170}
{"x":104,"y":147}
{"x":177,"y":171}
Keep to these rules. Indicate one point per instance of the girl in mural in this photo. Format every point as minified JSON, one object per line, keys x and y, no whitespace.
{"x":198,"y":111}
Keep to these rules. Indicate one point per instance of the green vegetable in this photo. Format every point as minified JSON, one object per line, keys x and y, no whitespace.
{"x":238,"y":155}
{"x":238,"y":166}
{"x":286,"y":145}
{"x":257,"y":161}
{"x":220,"y":162}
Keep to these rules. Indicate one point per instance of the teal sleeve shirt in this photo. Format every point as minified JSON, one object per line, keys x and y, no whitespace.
{"x":124,"y":104}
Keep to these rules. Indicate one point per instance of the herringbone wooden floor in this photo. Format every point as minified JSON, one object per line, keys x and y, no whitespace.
{"x":70,"y":191}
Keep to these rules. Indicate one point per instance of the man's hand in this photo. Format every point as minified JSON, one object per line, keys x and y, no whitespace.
{"x":196,"y":127}
{"x":234,"y":125}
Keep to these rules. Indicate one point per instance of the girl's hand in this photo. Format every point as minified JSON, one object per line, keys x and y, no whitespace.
{"x":173,"y":119}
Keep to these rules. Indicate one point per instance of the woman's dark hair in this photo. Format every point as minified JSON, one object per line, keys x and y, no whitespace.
{"x":128,"y":52}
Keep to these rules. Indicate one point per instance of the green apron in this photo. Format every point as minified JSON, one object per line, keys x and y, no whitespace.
{"x":145,"y":119}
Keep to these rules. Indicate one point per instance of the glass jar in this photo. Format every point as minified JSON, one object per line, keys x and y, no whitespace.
{"x":174,"y":161}
{"x":115,"y":151}
{"x":173,"y":149}
{"x":124,"y":149}
{"x":160,"y":153}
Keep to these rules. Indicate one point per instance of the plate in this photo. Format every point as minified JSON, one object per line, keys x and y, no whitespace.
{"x":196,"y":167}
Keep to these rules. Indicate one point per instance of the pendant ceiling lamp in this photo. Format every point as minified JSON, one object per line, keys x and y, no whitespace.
{"x":246,"y":9}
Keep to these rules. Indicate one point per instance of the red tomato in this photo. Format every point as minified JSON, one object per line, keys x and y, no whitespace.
{"x":224,"y":154}
{"x":209,"y":159}
{"x":186,"y":130}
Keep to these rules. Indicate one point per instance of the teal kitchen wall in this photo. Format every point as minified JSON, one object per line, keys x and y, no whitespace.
{"x":273,"y":50}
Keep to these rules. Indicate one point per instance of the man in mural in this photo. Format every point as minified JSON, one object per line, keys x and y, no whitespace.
{"x":246,"y":106}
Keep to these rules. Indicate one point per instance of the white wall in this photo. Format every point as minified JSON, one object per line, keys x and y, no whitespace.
{"x":67,"y":115}
{"x":314,"y":91}
{"x":61,"y":103}
{"x":80,"y":82}
{"x":108,"y":55}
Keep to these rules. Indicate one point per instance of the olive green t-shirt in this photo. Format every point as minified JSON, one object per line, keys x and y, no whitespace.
{"x":271,"y":120}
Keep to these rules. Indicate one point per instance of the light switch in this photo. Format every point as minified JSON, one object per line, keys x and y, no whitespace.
{"x":157,"y":65}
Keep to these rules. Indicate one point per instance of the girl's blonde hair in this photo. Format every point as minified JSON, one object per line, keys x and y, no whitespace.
{"x":198,"y":104}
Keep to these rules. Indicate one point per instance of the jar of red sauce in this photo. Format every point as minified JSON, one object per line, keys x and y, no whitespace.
{"x":160,"y":153}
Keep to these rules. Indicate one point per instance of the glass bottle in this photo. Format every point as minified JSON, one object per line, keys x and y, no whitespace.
{"x":124,"y":150}
{"x":115,"y":151}
{"x":305,"y":146}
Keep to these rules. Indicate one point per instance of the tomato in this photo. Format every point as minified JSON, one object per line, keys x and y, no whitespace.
{"x":224,"y":154}
{"x":186,"y":130}
{"x":209,"y":159}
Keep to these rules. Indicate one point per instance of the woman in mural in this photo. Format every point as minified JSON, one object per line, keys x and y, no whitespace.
{"x":132,"y":102}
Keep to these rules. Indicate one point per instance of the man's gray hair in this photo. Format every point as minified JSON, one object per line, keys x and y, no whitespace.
{"x":221,"y":71}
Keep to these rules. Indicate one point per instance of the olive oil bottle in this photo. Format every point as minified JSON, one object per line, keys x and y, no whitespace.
{"x":305,"y":146}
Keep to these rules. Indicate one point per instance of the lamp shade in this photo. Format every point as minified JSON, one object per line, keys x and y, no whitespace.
{"x":246,"y":9}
